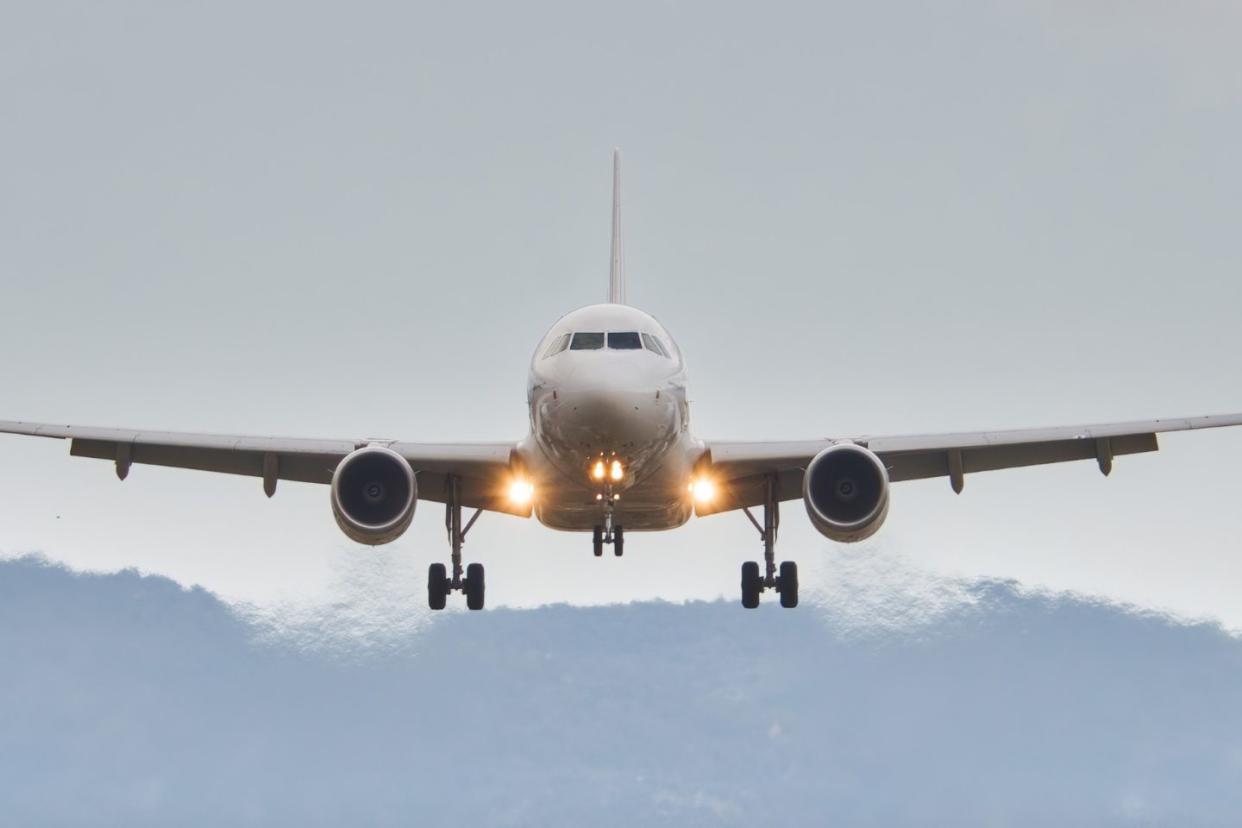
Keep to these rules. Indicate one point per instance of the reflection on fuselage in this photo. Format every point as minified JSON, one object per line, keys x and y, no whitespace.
{"x":607,"y":381}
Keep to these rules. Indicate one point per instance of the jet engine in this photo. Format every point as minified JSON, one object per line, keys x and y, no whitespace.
{"x":845,"y":489}
{"x":373,"y":495}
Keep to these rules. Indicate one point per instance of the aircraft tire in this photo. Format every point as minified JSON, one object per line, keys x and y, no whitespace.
{"x":618,"y":541}
{"x":597,"y":541}
{"x":788,"y":584}
{"x":437,"y":586}
{"x":474,"y":586}
{"x":750,"y":585}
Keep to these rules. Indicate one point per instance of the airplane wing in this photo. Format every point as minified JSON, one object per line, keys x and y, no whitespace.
{"x":482,"y":468}
{"x":740,"y":469}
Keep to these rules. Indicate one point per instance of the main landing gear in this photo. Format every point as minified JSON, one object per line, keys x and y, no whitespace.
{"x":439,"y":584}
{"x":784,"y":580}
{"x":607,"y":532}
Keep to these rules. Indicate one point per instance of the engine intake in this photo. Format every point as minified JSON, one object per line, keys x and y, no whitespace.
{"x":373,"y":495}
{"x":845,"y":488}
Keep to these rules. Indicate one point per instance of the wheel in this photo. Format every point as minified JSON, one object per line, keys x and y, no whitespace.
{"x":474,"y":586}
{"x":618,"y":541}
{"x":750,"y":585}
{"x":597,"y":539}
{"x":788,"y":584}
{"x":437,"y":586}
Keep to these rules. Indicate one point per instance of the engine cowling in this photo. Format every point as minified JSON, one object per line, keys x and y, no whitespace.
{"x":845,"y":489}
{"x":373,"y":495}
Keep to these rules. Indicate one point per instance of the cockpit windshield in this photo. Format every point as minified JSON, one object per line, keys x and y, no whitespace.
{"x":654,"y":345}
{"x":613,"y":340}
{"x":559,"y":344}
{"x":587,"y":342}
{"x":624,"y":341}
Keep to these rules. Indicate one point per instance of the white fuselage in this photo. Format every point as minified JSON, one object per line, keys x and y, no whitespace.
{"x":607,"y":382}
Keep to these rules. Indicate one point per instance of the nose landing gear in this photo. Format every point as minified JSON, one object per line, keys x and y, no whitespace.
{"x":786,"y":582}
{"x":601,"y":536}
{"x":472,"y":583}
{"x":608,"y":532}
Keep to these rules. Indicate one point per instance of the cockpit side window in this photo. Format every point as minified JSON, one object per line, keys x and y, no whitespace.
{"x":559,"y":344}
{"x":624,"y":341}
{"x":587,"y":341}
{"x":654,"y":345}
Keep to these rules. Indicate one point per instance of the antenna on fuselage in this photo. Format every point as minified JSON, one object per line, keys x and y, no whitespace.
{"x":616,"y":277}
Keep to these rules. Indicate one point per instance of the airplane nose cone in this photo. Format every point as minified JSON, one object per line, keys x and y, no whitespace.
{"x":625,"y":421}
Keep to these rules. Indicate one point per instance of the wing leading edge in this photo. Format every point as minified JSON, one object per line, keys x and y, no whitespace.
{"x":740,"y":468}
{"x":482,"y":468}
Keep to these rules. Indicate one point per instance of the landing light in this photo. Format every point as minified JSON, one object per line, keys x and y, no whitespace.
{"x":703,"y":490}
{"x":617,"y":471}
{"x":521,"y":492}
{"x":599,"y":471}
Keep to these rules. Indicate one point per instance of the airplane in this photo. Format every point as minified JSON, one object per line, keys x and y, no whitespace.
{"x":609,"y":451}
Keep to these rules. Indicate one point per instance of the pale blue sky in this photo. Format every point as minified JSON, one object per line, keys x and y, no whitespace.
{"x":357,"y":221}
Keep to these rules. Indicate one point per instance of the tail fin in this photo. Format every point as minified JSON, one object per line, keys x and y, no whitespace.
{"x":616,"y":277}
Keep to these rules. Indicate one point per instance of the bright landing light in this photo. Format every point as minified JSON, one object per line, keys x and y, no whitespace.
{"x":617,"y":471}
{"x":521,"y":492}
{"x":598,"y":471}
{"x":703,"y":490}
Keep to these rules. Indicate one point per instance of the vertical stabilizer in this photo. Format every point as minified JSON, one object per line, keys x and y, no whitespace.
{"x":616,"y":277}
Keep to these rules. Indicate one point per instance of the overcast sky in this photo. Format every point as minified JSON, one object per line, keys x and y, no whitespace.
{"x":358,"y":221}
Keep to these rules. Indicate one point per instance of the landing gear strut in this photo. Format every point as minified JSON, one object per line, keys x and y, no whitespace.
{"x":439,"y":583}
{"x":607,"y":532}
{"x":786,"y":582}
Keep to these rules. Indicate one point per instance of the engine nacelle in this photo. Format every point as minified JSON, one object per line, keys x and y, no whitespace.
{"x":845,"y":489}
{"x":373,"y":495}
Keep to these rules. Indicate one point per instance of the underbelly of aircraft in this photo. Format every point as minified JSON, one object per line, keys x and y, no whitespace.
{"x":656,"y":500}
{"x":648,"y":516}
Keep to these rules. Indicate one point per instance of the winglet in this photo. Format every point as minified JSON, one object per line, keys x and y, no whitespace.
{"x":616,"y":278}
